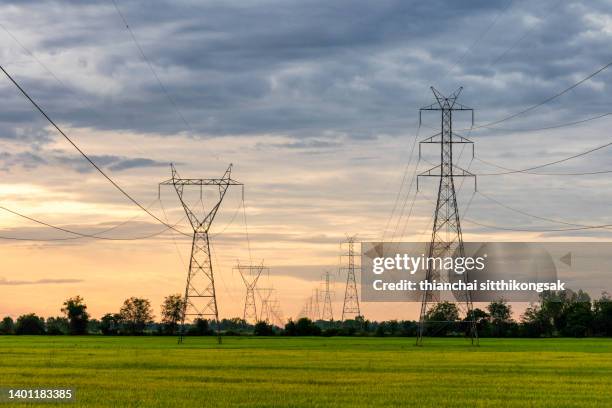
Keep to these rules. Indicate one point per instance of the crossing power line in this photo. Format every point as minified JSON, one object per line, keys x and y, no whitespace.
{"x":152,"y":69}
{"x":513,"y":171}
{"x":539,"y":166}
{"x":480,"y":36}
{"x":79,"y":235}
{"x":86,"y":157}
{"x":550,"y":127}
{"x":547,"y":100}
{"x":538,"y":217}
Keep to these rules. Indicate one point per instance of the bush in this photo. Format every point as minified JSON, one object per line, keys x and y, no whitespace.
{"x":30,"y":324}
{"x":110,"y":324}
{"x":303,"y":327}
{"x":200,"y":327}
{"x":76,"y":311}
{"x":57,"y":326}
{"x":7,"y":326}
{"x":263,"y":329}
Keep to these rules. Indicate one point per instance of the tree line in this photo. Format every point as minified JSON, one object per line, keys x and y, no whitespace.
{"x":563,"y":314}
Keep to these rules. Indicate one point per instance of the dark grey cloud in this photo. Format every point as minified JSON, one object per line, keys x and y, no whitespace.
{"x":31,"y":160}
{"x":325,"y":75}
{"x":6,"y":282}
{"x":304,"y":67}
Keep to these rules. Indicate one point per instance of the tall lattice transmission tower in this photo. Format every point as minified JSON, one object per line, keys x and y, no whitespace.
{"x":250,"y":275}
{"x":350,"y":307}
{"x":327,"y":313}
{"x":446,"y":238}
{"x":200,"y":300}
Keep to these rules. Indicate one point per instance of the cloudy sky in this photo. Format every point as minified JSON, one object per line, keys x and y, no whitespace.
{"x":316,"y":105}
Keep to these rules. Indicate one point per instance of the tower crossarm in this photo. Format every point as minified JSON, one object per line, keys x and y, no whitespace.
{"x":223,"y":183}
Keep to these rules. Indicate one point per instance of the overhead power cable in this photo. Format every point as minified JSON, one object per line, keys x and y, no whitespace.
{"x":480,"y":36}
{"x":402,"y":183}
{"x":562,"y":125}
{"x":556,"y":221}
{"x":77,"y":234}
{"x":539,"y":166}
{"x":545,"y":101}
{"x":521,"y":229}
{"x":102,"y":172}
{"x":523,"y":36}
{"x":148,"y":62}
{"x":510,"y":171}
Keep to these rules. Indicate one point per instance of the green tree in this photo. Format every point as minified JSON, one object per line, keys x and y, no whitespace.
{"x":57,"y":325}
{"x":76,"y":311}
{"x":30,"y":324}
{"x":500,"y":316}
{"x":441,"y":318}
{"x":263,"y":329}
{"x":200,"y":327}
{"x":602,"y":319}
{"x":303,"y":327}
{"x":536,"y":322}
{"x":93,"y":326}
{"x":172,"y":312}
{"x":443,"y":312}
{"x":578,"y":319}
{"x":483,"y":326}
{"x":136,"y":314}
{"x":110,"y":324}
{"x":7,"y":326}
{"x":499,"y":311}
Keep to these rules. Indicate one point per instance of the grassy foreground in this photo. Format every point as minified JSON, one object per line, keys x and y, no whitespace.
{"x":311,"y":372}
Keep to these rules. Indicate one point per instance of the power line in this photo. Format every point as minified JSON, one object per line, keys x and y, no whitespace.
{"x":562,"y":125}
{"x":146,"y":59}
{"x":537,"y":216}
{"x":480,"y":37}
{"x":539,"y":166}
{"x":125,"y":193}
{"x":545,"y":101}
{"x":510,"y":171}
{"x":399,"y":192}
{"x":521,"y":38}
{"x":520,"y":229}
{"x":78,"y":234}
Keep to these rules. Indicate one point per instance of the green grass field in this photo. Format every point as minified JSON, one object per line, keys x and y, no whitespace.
{"x":307,"y":372}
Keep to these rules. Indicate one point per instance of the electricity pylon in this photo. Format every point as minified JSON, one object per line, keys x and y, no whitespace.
{"x":264,"y":295}
{"x":250,"y":275}
{"x":446,"y":238}
{"x":276,"y":312}
{"x":314,"y":301}
{"x":327,"y":313}
{"x":200,"y":300}
{"x":351,"y":296}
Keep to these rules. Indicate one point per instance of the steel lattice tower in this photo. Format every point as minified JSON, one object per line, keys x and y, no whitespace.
{"x":327,"y":313}
{"x":265,"y":294}
{"x":200,"y":300}
{"x":351,"y":296}
{"x":250,"y":275}
{"x":314,"y":303}
{"x":446,"y":238}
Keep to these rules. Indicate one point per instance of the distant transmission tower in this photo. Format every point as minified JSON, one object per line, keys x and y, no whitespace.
{"x":200,"y":299}
{"x":250,"y":275}
{"x":266,"y":308}
{"x":351,"y":296}
{"x":314,"y":303}
{"x":446,"y":238}
{"x":327,"y":313}
{"x":277,"y":313}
